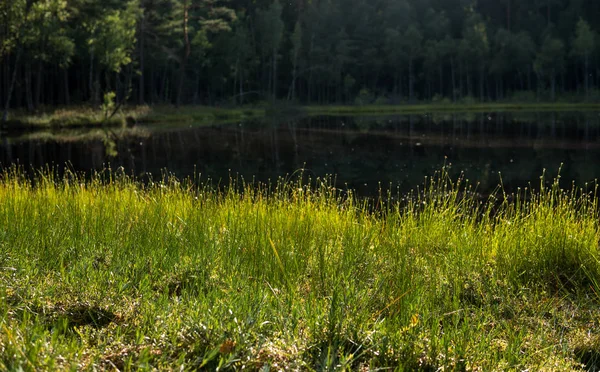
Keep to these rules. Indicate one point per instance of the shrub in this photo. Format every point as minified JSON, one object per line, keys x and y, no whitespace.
{"x":365,"y":97}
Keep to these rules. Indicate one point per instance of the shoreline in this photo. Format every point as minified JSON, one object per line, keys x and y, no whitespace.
{"x":85,"y":117}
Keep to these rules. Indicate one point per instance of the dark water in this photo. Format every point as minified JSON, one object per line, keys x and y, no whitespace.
{"x":362,"y":152}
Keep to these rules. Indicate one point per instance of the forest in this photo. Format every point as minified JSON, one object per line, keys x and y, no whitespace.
{"x":218,"y":52}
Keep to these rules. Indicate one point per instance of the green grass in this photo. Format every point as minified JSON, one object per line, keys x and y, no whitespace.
{"x":71,"y":117}
{"x":109,"y":273}
{"x":449,"y":108}
{"x":199,"y":115}
{"x":88,"y":117}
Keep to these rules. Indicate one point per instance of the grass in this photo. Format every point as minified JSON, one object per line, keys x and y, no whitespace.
{"x":71,"y":117}
{"x":449,"y":108}
{"x":199,"y":115}
{"x":112,"y":274}
{"x":85,"y":116}
{"x":88,"y":117}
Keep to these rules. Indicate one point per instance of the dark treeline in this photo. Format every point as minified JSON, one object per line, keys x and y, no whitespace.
{"x":55,"y":52}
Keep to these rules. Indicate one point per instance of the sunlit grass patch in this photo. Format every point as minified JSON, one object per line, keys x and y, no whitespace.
{"x":92,"y":117}
{"x":111,"y":273}
{"x":75,"y":117}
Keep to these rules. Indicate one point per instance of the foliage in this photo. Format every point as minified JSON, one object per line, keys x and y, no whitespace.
{"x":198,"y":51}
{"x":108,"y":104}
{"x":47,"y":35}
{"x":365,"y":97}
{"x":112,"y":37}
{"x":585,"y":39}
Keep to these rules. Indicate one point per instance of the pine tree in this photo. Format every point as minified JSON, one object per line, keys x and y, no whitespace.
{"x":583,"y":47}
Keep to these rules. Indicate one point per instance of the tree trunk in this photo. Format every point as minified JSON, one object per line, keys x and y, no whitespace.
{"x":152,"y":84}
{"x":460,"y":78}
{"x":66,"y":87}
{"x":107,"y":86}
{"x":186,"y":54}
{"x":38,"y":87}
{"x":5,"y":78}
{"x":481,"y":82}
{"x":142,"y":87}
{"x":310,"y":74}
{"x":586,"y":80}
{"x":197,"y":89}
{"x":180,"y":85}
{"x":128,"y":88}
{"x":410,"y":79}
{"x":166,"y":88}
{"x":309,"y":87}
{"x":441,"y":68}
{"x":235,"y":77}
{"x":274,"y":74}
{"x":162,"y":94}
{"x":28,"y":94}
{"x":553,"y":83}
{"x":97,"y":87}
{"x":521,"y":82}
{"x":339,"y":89}
{"x":400,"y":86}
{"x":429,"y":90}
{"x":292,"y":90}
{"x":469,"y":90}
{"x":538,"y":86}
{"x":13,"y":81}
{"x":269,"y":90}
{"x":91,"y":87}
{"x":292,"y":93}
{"x":241,"y":87}
{"x":508,"y":15}
{"x":497,"y":87}
{"x":453,"y":79}
{"x":11,"y":86}
{"x":18,"y":94}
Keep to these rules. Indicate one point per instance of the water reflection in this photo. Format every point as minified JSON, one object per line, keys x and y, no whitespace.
{"x":363,"y":152}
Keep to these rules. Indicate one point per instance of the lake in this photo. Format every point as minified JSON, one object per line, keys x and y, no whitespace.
{"x":361,"y":152}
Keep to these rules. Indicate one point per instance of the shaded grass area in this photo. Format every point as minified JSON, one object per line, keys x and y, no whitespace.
{"x":199,"y":115}
{"x":204,"y":115}
{"x":110,"y":273}
{"x":449,"y":108}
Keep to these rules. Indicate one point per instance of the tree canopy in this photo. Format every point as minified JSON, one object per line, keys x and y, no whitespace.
{"x":55,"y":52}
